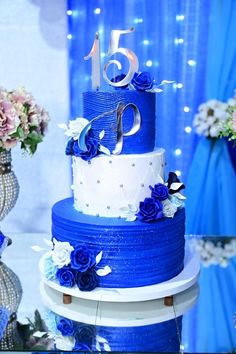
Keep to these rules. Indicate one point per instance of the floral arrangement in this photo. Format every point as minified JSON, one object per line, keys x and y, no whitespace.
{"x":141,"y":81}
{"x":229,"y":127}
{"x":70,"y":335}
{"x":82,"y":141}
{"x":210,"y":117}
{"x":214,"y":253}
{"x":164,"y":201}
{"x":72,"y":266}
{"x":21,"y":119}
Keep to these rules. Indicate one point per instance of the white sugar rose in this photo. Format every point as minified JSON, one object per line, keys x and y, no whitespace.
{"x":169,"y":209}
{"x":75,"y":127}
{"x":64,"y":343}
{"x":61,"y":253}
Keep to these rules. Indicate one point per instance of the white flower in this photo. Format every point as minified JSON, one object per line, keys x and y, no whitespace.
{"x":61,"y":253}
{"x":209,"y":118}
{"x":75,"y":127}
{"x":169,"y":209}
{"x":64,"y":343}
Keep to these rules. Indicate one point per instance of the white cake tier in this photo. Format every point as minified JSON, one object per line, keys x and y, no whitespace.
{"x":109,"y":185}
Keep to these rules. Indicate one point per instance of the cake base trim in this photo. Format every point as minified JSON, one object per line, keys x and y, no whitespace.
{"x":181,"y":282}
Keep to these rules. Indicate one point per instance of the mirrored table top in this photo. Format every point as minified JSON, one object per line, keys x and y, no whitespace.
{"x":196,"y":321}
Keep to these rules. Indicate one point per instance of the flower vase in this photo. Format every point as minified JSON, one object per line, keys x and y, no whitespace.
{"x":9,"y":186}
{"x":10,"y":286}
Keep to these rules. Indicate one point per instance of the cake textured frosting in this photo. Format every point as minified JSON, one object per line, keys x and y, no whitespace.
{"x":97,"y":103}
{"x":138,"y":253}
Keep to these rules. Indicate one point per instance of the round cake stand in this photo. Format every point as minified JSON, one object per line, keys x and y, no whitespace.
{"x":181,"y":282}
{"x":119,"y":314}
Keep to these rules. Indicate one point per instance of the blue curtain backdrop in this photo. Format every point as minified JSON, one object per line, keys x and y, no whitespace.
{"x":170,"y":41}
{"x":211,"y":192}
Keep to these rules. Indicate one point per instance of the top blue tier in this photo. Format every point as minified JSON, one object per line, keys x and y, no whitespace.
{"x":97,"y":102}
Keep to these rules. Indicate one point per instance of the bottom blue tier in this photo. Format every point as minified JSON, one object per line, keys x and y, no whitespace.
{"x":138,"y":253}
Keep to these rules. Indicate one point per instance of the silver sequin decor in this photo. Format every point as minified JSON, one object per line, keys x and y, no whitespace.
{"x":9,"y":187}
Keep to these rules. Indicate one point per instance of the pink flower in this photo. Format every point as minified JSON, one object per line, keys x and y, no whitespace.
{"x":9,"y":120}
{"x":9,"y":144}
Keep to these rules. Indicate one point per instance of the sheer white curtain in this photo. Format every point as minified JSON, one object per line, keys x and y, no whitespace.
{"x":34,"y":54}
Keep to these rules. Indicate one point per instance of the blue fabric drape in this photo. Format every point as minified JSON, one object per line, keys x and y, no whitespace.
{"x":211,"y":192}
{"x":170,"y":41}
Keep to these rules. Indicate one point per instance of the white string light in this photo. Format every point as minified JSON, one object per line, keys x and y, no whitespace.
{"x":191,"y":62}
{"x":145,"y":41}
{"x":69,"y":36}
{"x":97,"y":11}
{"x":179,"y":17}
{"x":179,"y":40}
{"x":186,"y":109}
{"x":149,"y":63}
{"x":187,"y":130}
{"x":178,"y":152}
{"x":138,"y":20}
{"x":179,"y":85}
{"x":178,"y":173}
{"x":69,"y":12}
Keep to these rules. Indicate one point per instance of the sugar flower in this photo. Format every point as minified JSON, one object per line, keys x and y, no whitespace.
{"x":61,"y":253}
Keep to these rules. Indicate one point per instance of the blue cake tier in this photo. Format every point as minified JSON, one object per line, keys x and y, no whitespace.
{"x":138,"y":253}
{"x":96,"y":103}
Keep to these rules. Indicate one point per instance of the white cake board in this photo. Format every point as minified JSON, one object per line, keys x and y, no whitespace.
{"x":119,"y":314}
{"x":181,"y":282}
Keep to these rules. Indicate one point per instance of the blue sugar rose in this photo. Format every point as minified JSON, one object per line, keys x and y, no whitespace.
{"x":142,"y":81}
{"x":66,"y":276}
{"x":82,"y":258}
{"x":85,"y":336}
{"x":70,"y":147}
{"x":150,"y":210}
{"x":66,"y":327}
{"x":159,"y":191}
{"x":118,"y":78}
{"x":87,"y":281}
{"x":92,"y":145}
